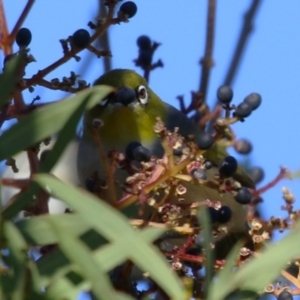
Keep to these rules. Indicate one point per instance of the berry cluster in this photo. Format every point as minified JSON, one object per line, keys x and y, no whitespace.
{"x":242,"y":110}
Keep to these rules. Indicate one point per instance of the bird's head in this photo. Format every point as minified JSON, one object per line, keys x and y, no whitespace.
{"x":129,"y":113}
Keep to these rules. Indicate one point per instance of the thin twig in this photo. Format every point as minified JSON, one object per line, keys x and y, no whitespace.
{"x":108,"y":173}
{"x":246,"y":30}
{"x":103,"y":40}
{"x":42,"y":73}
{"x":4,"y":30}
{"x":24,"y":14}
{"x":207,"y":61}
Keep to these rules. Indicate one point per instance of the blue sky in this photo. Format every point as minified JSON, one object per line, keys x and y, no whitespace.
{"x":270,"y":66}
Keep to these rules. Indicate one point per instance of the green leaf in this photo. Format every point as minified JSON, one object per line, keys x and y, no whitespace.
{"x":78,"y":253}
{"x":115,"y":228}
{"x":20,"y":202}
{"x":10,"y":77}
{"x":47,"y":120}
{"x":273,"y":259}
{"x":37,"y":231}
{"x":18,"y":251}
{"x":208,"y":251}
{"x":221,"y":285}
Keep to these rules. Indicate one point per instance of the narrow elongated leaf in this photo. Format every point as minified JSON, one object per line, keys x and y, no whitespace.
{"x":55,"y":264}
{"x":9,"y":78}
{"x":66,"y":134}
{"x":114,"y":226}
{"x":78,"y":253}
{"x":221,"y":281}
{"x":47,"y":120}
{"x":208,"y":251}
{"x":17,"y":248}
{"x":271,"y":261}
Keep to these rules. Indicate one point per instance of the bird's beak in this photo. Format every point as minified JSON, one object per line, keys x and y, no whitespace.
{"x":124,"y":96}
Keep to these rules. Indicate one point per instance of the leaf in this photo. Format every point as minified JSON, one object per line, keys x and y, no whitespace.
{"x":82,"y":257}
{"x":221,"y":282}
{"x":208,"y":252}
{"x":47,"y":120}
{"x":9,"y":78}
{"x":17,"y":248}
{"x":115,"y":228}
{"x":273,"y":259}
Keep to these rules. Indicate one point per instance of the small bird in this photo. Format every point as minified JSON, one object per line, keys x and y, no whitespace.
{"x":128,"y":116}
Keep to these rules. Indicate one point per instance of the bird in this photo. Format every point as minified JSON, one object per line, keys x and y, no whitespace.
{"x":128,"y":115}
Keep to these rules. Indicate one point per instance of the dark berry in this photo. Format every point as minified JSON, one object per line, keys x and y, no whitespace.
{"x":145,"y":58}
{"x":257,"y":174}
{"x":243,"y":110}
{"x":228,"y":166}
{"x":136,"y":165}
{"x":141,"y":153}
{"x":285,"y":295}
{"x":205,"y":141}
{"x":81,"y":38}
{"x":23,"y":37}
{"x":243,"y":146}
{"x":213,"y":214}
{"x":254,"y":100}
{"x":129,"y":9}
{"x":199,"y":174}
{"x":224,"y":214}
{"x":144,"y":42}
{"x":208,"y":165}
{"x":90,"y":184}
{"x":243,"y":196}
{"x":177,"y":151}
{"x":129,"y":151}
{"x":224,"y":94}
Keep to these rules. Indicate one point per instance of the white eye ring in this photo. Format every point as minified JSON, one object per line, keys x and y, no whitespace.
{"x":142,"y":94}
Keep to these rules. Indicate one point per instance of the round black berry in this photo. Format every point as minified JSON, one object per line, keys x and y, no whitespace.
{"x":81,"y":38}
{"x":129,"y":151}
{"x":90,"y":184}
{"x":243,"y":146}
{"x":213,"y":214}
{"x":285,"y":295}
{"x":144,"y":42}
{"x":228,"y":166}
{"x":257,"y":174}
{"x":23,"y":37}
{"x":177,"y":151}
{"x":224,"y":214}
{"x":141,"y":153}
{"x":145,"y":58}
{"x":205,"y":141}
{"x":254,"y":100}
{"x":129,"y":9}
{"x":199,"y":174}
{"x":243,"y":110}
{"x":208,"y":165}
{"x":224,"y":94}
{"x":243,"y":196}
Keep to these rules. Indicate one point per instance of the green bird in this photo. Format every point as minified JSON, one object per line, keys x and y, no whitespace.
{"x":129,"y":115}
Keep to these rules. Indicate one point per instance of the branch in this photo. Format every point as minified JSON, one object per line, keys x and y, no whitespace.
{"x":240,"y":47}
{"x":207,"y":61}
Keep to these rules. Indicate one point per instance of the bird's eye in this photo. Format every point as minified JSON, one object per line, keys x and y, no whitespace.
{"x":142,"y":94}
